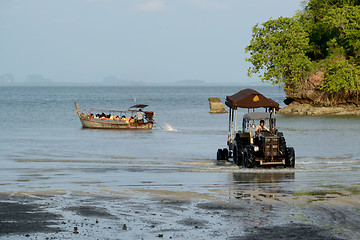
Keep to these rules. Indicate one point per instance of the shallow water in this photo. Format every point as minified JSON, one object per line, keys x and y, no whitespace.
{"x":44,"y":148}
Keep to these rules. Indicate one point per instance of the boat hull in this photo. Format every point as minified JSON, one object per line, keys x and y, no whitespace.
{"x":114,"y":124}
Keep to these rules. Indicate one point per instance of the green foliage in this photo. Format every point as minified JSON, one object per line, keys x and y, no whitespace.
{"x":343,"y":25}
{"x":342,"y":76}
{"x":278,"y":47}
{"x":324,"y":36}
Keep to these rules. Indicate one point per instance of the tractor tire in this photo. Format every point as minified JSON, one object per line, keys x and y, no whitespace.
{"x":290,"y":157}
{"x":225,"y":153}
{"x":240,"y":157}
{"x":282,"y":147}
{"x":249,"y":158}
{"x":235,"y":156}
{"x":219,"y":154}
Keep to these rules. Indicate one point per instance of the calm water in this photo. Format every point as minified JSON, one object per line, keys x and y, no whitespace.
{"x":44,"y":148}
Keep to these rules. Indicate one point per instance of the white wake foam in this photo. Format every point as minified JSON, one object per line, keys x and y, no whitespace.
{"x":169,"y":128}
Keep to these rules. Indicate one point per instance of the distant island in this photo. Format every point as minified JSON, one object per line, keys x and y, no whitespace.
{"x":41,"y":80}
{"x":315,"y":55}
{"x":190,"y":83}
{"x":38,"y":80}
{"x":114,"y":81}
{"x":31,"y":80}
{"x":7,"y":79}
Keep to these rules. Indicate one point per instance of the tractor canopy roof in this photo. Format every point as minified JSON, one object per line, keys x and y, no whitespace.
{"x":249,"y":98}
{"x":258,"y":115}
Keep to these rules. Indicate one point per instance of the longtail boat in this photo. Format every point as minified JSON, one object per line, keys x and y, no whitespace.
{"x":89,"y":120}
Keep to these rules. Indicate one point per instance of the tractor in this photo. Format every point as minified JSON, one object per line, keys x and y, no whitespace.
{"x":253,"y":145}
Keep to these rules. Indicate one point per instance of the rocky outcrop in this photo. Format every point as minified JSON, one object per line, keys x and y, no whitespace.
{"x":311,"y":93}
{"x":216,"y":106}
{"x":310,"y":99}
{"x":296,"y":108}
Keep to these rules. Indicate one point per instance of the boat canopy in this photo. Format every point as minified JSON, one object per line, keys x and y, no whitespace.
{"x":106,"y":110}
{"x":258,"y":115}
{"x":249,"y":98}
{"x":139,"y":106}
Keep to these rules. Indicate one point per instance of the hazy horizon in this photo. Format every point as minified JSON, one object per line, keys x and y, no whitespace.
{"x":149,"y":41}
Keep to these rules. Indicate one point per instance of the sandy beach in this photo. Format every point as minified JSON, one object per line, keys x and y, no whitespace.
{"x":173,"y":214}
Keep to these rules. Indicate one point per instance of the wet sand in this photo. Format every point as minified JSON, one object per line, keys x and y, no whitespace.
{"x":165,"y":214}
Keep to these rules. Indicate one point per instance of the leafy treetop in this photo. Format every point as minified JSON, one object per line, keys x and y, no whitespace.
{"x":324,"y":36}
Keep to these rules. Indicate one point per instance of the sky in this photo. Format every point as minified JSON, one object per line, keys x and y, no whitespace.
{"x":159,"y":41}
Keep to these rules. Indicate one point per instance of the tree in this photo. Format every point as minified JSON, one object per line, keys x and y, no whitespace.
{"x":324,"y":36}
{"x":278,"y":50}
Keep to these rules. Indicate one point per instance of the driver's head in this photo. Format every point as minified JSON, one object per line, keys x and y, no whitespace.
{"x":262,"y":122}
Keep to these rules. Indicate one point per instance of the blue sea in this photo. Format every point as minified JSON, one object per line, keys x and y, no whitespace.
{"x":45,"y":149}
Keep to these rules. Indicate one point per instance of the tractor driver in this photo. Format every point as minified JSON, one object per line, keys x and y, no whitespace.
{"x":261,"y":127}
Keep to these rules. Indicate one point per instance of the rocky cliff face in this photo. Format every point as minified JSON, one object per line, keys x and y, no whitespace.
{"x":309,"y":99}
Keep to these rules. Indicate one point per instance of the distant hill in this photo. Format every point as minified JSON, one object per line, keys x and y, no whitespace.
{"x":7,"y":79}
{"x":189,"y":83}
{"x":114,"y":81}
{"x":38,"y":80}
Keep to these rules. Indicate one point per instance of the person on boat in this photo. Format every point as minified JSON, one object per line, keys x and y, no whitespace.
{"x":116,"y":118}
{"x":106,"y":117}
{"x":132,"y":120}
{"x":139,"y":117}
{"x":123,"y":118}
{"x":91,"y":115}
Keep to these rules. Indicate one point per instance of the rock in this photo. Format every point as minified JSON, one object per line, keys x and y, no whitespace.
{"x":312,"y":95}
{"x":296,"y":108}
{"x":216,"y":106}
{"x":316,"y":78}
{"x":287,"y":101}
{"x":124,"y":227}
{"x":310,"y":99}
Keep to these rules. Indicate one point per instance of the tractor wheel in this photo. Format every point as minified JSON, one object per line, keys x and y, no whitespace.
{"x":225,"y":153}
{"x":235,"y":156}
{"x":282,"y":147}
{"x":219,"y":154}
{"x":249,"y":158}
{"x":290,"y":157}
{"x":240,"y":157}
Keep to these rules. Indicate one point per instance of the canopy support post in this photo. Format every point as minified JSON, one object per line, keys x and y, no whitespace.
{"x":236,"y":111}
{"x":230,"y":127}
{"x":232,"y":124}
